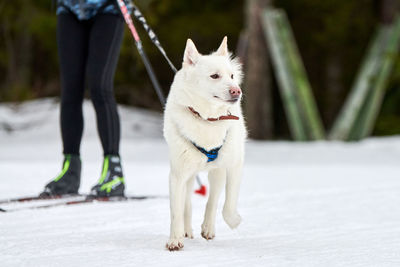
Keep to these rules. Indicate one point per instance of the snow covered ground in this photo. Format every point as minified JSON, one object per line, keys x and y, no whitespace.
{"x":302,"y":204}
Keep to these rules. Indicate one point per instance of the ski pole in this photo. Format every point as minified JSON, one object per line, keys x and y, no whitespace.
{"x":139,"y":46}
{"x":146,"y":62}
{"x":153,"y":37}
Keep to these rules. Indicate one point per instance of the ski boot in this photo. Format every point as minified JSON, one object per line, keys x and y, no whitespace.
{"x":68,"y":181}
{"x":111,"y":183}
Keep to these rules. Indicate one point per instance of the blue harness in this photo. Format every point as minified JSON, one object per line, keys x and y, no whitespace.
{"x":211,"y":155}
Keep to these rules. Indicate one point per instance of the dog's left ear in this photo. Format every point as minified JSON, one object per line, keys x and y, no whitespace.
{"x":223,"y":48}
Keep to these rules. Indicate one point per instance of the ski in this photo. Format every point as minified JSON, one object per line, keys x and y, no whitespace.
{"x":85,"y":200}
{"x":36,"y":198}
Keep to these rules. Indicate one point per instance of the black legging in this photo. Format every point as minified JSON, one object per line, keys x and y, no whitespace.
{"x":89,"y":47}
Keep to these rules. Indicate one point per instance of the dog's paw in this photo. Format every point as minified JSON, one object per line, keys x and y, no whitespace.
{"x":207,"y":231}
{"x":207,"y":235}
{"x":174,"y":244}
{"x":189,"y":233}
{"x":233,"y":219}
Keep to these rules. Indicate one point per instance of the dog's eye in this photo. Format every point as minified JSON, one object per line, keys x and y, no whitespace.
{"x":214,"y":76}
{"x":231,"y":76}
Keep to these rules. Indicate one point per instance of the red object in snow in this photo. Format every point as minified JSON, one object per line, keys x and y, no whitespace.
{"x":202,"y":191}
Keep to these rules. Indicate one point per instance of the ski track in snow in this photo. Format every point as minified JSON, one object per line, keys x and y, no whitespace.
{"x":302,"y":204}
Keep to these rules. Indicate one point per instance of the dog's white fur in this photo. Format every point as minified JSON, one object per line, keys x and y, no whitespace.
{"x":194,"y":87}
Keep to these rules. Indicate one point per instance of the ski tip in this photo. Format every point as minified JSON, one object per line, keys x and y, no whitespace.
{"x":3,"y":210}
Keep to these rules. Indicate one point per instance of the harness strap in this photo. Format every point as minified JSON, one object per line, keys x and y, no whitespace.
{"x":211,"y":154}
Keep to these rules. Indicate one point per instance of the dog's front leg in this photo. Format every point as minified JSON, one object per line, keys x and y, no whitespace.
{"x":229,"y":212}
{"x":216,"y":180}
{"x":188,"y":208}
{"x":176,"y":196}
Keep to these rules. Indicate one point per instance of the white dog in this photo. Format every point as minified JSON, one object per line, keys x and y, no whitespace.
{"x":205,"y":130}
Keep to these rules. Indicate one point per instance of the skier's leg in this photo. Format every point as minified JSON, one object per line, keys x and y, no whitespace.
{"x":72,"y":40}
{"x":104,"y":45}
{"x":72,"y":49}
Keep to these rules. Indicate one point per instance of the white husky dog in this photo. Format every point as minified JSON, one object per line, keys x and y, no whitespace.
{"x":205,"y":130}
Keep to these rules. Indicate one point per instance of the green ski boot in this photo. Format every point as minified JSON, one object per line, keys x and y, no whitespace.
{"x":68,"y":181}
{"x":111,"y":182}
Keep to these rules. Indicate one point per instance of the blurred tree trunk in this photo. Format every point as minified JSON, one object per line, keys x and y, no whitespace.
{"x":389,"y":8}
{"x":10,"y":52}
{"x":257,"y":94}
{"x":18,"y":44}
{"x":334,"y":86}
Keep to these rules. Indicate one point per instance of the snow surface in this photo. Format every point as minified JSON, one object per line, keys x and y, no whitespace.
{"x":302,"y":204}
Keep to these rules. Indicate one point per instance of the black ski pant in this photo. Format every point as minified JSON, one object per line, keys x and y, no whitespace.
{"x":88,"y":53}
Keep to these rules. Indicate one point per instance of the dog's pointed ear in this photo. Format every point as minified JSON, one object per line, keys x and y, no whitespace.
{"x":191,"y":55}
{"x":223,"y":48}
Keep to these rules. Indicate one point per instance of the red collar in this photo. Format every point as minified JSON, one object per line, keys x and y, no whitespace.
{"x":224,"y":117}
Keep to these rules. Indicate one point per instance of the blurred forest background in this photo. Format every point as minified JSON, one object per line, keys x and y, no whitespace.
{"x":332,"y":36}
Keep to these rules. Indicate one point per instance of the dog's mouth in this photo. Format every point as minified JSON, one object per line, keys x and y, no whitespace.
{"x":232,"y":100}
